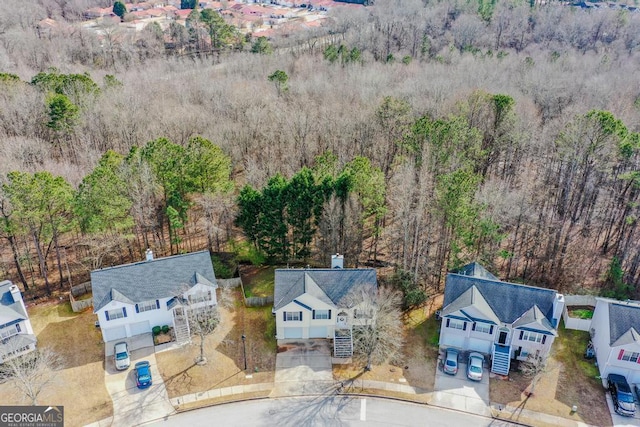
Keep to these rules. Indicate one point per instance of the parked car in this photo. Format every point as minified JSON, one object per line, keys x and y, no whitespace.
{"x":121,"y":356}
{"x":451,"y":361}
{"x":474,"y":366}
{"x":143,"y":374}
{"x":623,"y":401}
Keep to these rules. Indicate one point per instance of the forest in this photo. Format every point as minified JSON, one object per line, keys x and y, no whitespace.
{"x":412,"y":134}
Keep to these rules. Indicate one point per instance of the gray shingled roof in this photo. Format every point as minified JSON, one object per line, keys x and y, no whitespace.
{"x":623,"y":317}
{"x":470,"y":303}
{"x":508,"y":301}
{"x":335,"y":283}
{"x":148,"y":280}
{"x":16,"y":342}
{"x":476,"y":270}
{"x":10,"y":310}
{"x":534,"y":319}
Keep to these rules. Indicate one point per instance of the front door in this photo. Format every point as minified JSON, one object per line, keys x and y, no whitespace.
{"x":502,"y":339}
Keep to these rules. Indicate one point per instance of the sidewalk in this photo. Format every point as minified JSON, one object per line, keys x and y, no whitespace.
{"x":525,"y":416}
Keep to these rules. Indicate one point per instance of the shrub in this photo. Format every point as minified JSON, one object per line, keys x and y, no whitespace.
{"x":165,"y":329}
{"x":156,"y":330}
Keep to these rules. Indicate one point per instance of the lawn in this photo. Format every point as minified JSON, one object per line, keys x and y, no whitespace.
{"x":224,"y":350}
{"x":258,"y":281}
{"x":568,"y":380}
{"x":79,"y":386}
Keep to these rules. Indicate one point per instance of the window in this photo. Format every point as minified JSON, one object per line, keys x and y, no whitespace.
{"x":322,"y":314}
{"x":117,"y":313}
{"x":291,"y":316}
{"x":9,"y":331}
{"x":201,"y":296}
{"x":628,"y":356}
{"x":457,"y":324}
{"x":147,"y":306}
{"x":485,"y":328}
{"x":532,"y":336}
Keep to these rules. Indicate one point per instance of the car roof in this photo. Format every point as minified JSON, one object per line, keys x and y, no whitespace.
{"x":143,"y":364}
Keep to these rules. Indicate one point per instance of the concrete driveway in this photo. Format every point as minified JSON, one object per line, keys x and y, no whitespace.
{"x":459,"y":393}
{"x":132,"y":406}
{"x":303,"y":367}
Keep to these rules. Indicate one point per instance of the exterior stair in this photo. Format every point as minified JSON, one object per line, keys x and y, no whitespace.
{"x":501,"y":360}
{"x":181,"y":329}
{"x":342,"y":343}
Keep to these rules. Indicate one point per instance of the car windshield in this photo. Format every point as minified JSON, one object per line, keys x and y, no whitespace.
{"x":627,"y":398}
{"x":451,"y":363}
{"x":120,"y":356}
{"x":475,"y":369}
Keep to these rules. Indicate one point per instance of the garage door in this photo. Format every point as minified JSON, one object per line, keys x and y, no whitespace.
{"x":318,"y":332}
{"x":451,"y":340}
{"x":140,"y":328}
{"x":113,"y":334}
{"x":483,"y":346}
{"x":292,"y":333}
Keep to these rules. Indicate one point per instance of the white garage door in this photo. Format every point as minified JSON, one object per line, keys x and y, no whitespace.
{"x":318,"y":332}
{"x":113,"y":334}
{"x":140,"y":328}
{"x":451,"y":340}
{"x":292,"y":333}
{"x":483,"y":346}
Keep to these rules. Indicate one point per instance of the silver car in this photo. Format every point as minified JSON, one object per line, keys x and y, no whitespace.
{"x":121,"y":356}
{"x":474,"y":366}
{"x":451,"y":362}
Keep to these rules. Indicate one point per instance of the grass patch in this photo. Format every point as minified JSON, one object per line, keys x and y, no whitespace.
{"x":258,"y":281}
{"x":570,"y":346}
{"x":581,"y":313}
{"x":424,"y":326}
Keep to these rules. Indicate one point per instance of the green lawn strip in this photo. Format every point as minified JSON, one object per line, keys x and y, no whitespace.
{"x":570,"y":350}
{"x":260,"y":284}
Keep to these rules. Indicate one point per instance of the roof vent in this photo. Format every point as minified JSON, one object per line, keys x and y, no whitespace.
{"x":149,"y":254}
{"x":337,"y":261}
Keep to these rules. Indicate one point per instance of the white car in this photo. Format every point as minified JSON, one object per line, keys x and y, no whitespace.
{"x":121,"y":356}
{"x":474,"y":366}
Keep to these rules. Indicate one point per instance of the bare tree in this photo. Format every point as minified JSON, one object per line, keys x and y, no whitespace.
{"x":202,"y":322}
{"x":534,"y":367}
{"x":378,"y":338}
{"x":32,"y":372}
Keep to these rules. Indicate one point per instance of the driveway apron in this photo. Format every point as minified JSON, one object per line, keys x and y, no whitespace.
{"x":459,"y":393}
{"x":132,"y":406}
{"x":303,"y":367}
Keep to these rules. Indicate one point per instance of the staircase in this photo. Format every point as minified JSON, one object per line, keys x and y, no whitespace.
{"x":501,"y":360}
{"x":181,"y":329}
{"x":342,"y":343}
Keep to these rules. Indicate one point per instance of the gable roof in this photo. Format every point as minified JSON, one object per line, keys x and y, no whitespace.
{"x":624,"y":323}
{"x":534,"y":320}
{"x":471,"y":304}
{"x":508,"y":301}
{"x":476,"y":270}
{"x":149,"y":280}
{"x":10,"y":310}
{"x":328,"y":285}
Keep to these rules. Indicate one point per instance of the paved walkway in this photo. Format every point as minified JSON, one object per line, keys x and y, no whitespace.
{"x":525,"y":416}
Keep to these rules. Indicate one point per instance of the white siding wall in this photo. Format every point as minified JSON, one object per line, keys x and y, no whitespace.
{"x":600,"y":340}
{"x":157,"y":317}
{"x":631,"y":370}
{"x":307,"y":316}
{"x":531,"y":347}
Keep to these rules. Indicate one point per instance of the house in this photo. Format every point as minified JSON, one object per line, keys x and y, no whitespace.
{"x":131,"y":299}
{"x":615,"y":334}
{"x":505,"y":320}
{"x":16,"y":332}
{"x":323,"y":303}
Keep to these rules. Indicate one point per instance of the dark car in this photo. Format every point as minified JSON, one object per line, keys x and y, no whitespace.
{"x":143,"y":374}
{"x":623,"y":401}
{"x":451,"y":361}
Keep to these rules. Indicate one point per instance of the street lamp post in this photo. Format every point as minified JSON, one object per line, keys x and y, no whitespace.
{"x":244,"y":351}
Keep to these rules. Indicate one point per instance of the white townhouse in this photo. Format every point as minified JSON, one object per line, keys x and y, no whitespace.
{"x":131,"y":299}
{"x":16,"y":333}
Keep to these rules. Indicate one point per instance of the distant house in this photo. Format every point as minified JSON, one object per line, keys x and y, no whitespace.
{"x":501,"y":319}
{"x":16,"y":333}
{"x":131,"y":299}
{"x":322,"y":303}
{"x":615,"y":334}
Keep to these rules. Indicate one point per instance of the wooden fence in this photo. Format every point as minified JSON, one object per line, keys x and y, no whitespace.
{"x":78,"y":305}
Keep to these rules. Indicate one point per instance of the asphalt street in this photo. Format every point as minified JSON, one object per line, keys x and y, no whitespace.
{"x":335,"y":410}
